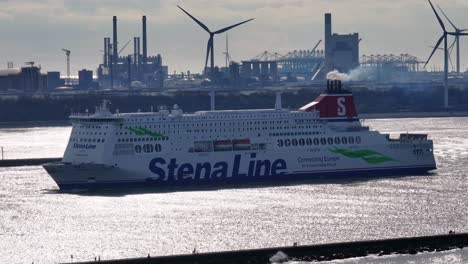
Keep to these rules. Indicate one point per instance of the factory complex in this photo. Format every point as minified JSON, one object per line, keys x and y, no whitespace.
{"x":139,"y":71}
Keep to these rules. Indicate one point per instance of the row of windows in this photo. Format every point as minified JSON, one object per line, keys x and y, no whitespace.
{"x":148,"y":148}
{"x":98,"y":140}
{"x":318,"y":141}
{"x":238,"y":129}
{"x":224,"y":116}
{"x":92,"y":127}
{"x":142,"y":139}
{"x":89,"y":133}
{"x":295,"y":134}
{"x":186,"y":125}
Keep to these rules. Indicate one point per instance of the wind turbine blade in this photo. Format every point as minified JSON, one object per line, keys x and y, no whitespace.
{"x":451,"y":46}
{"x":443,"y":13}
{"x":463,"y":30}
{"x":233,"y":26}
{"x":450,"y":58}
{"x":434,"y":50}
{"x":437,"y":15}
{"x":196,"y":20}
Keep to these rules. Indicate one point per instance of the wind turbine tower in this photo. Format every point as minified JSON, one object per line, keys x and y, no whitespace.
{"x":446,"y":52}
{"x":457,"y":38}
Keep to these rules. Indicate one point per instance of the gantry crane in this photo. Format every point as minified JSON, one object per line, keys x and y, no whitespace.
{"x":68,"y":52}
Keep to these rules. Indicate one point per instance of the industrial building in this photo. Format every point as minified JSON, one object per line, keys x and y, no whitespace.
{"x":85,"y":79}
{"x":54,"y":81}
{"x":341,"y":51}
{"x":137,"y":70}
{"x":26,"y":79}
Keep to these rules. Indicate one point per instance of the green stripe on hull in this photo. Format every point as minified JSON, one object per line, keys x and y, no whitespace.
{"x":369,"y":156}
{"x":143,"y":131}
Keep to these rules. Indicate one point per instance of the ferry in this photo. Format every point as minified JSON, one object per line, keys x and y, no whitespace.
{"x":323,"y":139}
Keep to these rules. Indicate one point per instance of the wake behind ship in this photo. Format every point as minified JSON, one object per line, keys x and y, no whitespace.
{"x":324,"y":138}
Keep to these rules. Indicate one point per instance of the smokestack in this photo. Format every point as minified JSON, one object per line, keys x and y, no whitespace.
{"x":114,"y":45}
{"x":145,"y":47}
{"x":328,"y":25}
{"x":135,"y":50}
{"x":138,"y":50}
{"x":106,"y":45}
{"x":328,"y":34}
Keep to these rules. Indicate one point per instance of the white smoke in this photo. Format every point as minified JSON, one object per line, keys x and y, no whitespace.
{"x":336,"y":75}
{"x":363,"y":73}
{"x":358,"y":74}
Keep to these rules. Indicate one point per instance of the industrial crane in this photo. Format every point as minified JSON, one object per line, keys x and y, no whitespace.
{"x":68,"y":52}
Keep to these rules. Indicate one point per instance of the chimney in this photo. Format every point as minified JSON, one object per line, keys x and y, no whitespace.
{"x":145,"y":47}
{"x":328,"y":25}
{"x":106,"y":45}
{"x":135,"y":50}
{"x":328,"y":34}
{"x":114,"y":45}
{"x":138,"y":50}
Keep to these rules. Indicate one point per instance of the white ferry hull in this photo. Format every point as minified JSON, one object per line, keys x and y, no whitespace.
{"x":324,"y":138}
{"x":235,"y":167}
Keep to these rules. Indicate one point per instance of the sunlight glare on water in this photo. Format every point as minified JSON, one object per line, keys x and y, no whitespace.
{"x":39,"y":224}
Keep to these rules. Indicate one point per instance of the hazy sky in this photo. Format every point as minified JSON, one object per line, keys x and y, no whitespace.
{"x":36,"y":30}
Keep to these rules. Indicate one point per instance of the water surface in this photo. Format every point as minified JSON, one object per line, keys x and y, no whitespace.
{"x":39,"y":224}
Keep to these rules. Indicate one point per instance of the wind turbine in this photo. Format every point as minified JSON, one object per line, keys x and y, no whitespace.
{"x":444,"y":38}
{"x":210,"y":45}
{"x":457,"y":38}
{"x":226,"y":53}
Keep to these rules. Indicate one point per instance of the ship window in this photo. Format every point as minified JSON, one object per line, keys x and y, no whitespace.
{"x":138,"y":149}
{"x":337,"y":141}
{"x":344,"y":140}
{"x":351,"y":140}
{"x":330,"y":141}
{"x":358,"y":140}
{"x":148,"y":148}
{"x":294,"y":142}
{"x":309,"y":141}
{"x":323,"y":141}
{"x":287,"y":142}
{"x":280,"y":142}
{"x":316,"y":141}
{"x":302,"y":142}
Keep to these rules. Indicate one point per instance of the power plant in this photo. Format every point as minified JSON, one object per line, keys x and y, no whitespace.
{"x":137,"y":70}
{"x":304,"y":67}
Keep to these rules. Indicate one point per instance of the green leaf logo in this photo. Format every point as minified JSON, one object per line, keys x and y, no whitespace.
{"x":143,"y":131}
{"x":370,"y":156}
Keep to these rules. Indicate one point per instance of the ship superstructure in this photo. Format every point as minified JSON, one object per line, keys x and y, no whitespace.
{"x":325,"y":138}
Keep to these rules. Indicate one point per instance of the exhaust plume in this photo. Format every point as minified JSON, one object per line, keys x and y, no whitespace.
{"x":336,"y":75}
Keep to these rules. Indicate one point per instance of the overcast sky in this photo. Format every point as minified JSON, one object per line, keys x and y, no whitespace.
{"x":37,"y":30}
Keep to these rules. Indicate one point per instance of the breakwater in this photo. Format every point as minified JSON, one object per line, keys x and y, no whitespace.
{"x":321,"y":252}
{"x":27,"y":162}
